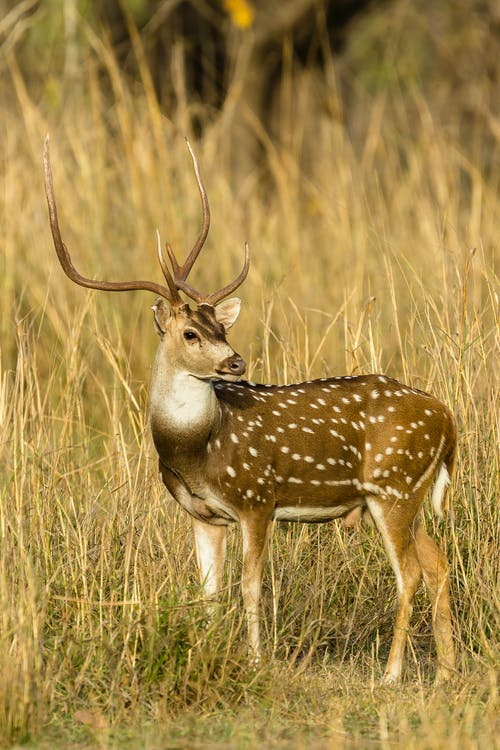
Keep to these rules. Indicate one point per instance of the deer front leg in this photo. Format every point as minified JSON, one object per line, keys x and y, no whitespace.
{"x":255,"y":533}
{"x":210,"y":545}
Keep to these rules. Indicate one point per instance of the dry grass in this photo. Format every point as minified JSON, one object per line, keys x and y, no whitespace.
{"x":365,"y":263}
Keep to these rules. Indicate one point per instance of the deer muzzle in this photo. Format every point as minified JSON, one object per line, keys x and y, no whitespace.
{"x":234,"y":365}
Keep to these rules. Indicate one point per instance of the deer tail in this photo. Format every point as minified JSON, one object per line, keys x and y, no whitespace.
{"x":446,"y":467}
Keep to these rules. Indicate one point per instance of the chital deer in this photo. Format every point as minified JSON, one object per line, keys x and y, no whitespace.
{"x":232,"y":451}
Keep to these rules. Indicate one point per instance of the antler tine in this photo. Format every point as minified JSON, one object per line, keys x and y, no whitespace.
{"x":181,"y":272}
{"x":65,"y":259}
{"x":216,"y":297}
{"x":164,"y":267}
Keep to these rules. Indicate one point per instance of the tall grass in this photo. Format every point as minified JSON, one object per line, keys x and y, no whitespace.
{"x":377,"y":257}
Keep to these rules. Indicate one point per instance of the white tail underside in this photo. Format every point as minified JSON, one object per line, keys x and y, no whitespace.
{"x":442,"y":482}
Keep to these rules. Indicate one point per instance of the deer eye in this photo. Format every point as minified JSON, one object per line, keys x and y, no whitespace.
{"x":190,"y":336}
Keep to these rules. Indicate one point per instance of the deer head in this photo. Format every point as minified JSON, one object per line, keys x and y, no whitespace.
{"x":196,"y":339}
{"x":197,"y":336}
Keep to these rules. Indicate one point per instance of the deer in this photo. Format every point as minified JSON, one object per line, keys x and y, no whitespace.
{"x":232,"y":451}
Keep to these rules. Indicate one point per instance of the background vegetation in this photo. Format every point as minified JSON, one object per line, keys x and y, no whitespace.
{"x":370,"y":201}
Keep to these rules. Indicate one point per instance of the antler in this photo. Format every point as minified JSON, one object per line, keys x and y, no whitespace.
{"x":174,"y":283}
{"x":169,"y":293}
{"x":181,"y":272}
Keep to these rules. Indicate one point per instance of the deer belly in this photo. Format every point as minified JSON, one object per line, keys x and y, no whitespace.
{"x":310,"y":514}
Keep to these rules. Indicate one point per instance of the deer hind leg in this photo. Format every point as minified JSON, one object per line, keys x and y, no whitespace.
{"x":210,"y":544}
{"x":394,"y":524}
{"x":255,"y":534}
{"x":435,"y":571}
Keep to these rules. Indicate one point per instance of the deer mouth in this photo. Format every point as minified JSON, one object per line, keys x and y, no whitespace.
{"x":228,"y":376}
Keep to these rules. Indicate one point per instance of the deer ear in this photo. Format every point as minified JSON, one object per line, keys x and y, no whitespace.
{"x":226,"y":312}
{"x":161,"y":313}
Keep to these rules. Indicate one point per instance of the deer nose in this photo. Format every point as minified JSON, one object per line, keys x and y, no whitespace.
{"x":234,"y":365}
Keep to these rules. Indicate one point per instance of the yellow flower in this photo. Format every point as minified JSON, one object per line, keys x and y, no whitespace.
{"x":241,"y":12}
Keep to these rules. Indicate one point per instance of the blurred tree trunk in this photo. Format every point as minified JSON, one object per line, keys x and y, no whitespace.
{"x":255,"y":60}
{"x":230,"y":57}
{"x":70,"y":11}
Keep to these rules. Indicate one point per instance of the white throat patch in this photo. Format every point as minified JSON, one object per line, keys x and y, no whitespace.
{"x":187,"y":401}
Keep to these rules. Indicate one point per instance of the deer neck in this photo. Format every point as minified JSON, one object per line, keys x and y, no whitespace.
{"x":185,"y":412}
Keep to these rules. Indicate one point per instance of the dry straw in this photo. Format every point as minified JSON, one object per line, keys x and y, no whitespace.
{"x":364,"y":264}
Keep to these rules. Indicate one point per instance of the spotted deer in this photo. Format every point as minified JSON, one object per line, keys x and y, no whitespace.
{"x":232,"y":451}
